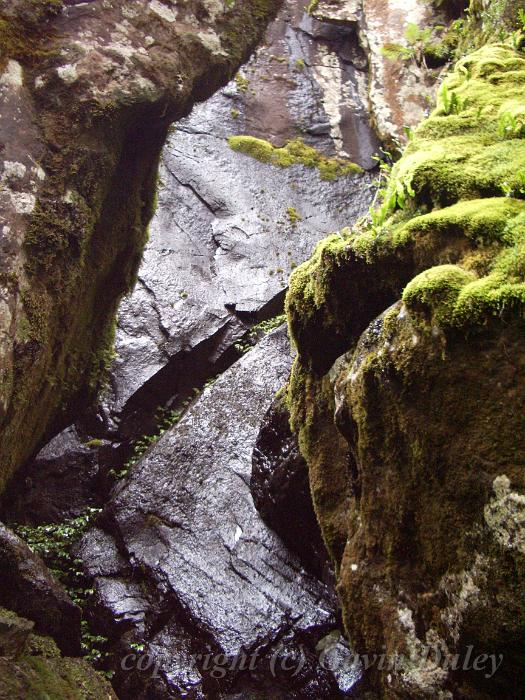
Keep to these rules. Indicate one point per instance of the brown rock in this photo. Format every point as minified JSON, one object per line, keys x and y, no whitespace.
{"x":28,"y":588}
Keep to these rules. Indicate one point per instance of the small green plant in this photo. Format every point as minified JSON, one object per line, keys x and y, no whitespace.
{"x":517,"y":187}
{"x":418,"y":39}
{"x":312,"y":7}
{"x":242,"y":82}
{"x":166,"y":418}
{"x":451,"y":102}
{"x":293,"y":216}
{"x":511,"y":126}
{"x":391,"y":194}
{"x":250,"y":340}
{"x":300,"y":64}
{"x":235,"y":113}
{"x":55,"y":543}
{"x":517,"y":38}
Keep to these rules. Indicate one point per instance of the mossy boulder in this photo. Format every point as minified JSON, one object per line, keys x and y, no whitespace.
{"x":406,"y":394}
{"x":435,"y":552}
{"x":29,"y":588}
{"x":14,"y":632}
{"x":37,"y":671}
{"x":88,"y":94}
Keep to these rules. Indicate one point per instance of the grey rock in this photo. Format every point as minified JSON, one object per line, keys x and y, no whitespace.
{"x":100,"y":554}
{"x":211,"y":567}
{"x":60,"y":483}
{"x":221,"y":244}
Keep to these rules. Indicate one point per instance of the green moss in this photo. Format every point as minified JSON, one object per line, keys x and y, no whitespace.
{"x":94,"y":443}
{"x":293,"y":153}
{"x":437,"y":288}
{"x":312,"y":7}
{"x":242,"y":82}
{"x":454,"y":296}
{"x":41,"y":673}
{"x":42,"y":646}
{"x":458,"y":153}
{"x":46,"y":678}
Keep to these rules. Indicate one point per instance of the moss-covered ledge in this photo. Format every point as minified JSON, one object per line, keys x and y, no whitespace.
{"x":87,"y":95}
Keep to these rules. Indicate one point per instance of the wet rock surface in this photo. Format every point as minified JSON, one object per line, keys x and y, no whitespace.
{"x":223,"y":242}
{"x":194,"y":569}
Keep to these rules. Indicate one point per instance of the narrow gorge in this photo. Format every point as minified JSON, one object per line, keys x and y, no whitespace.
{"x":261,"y":379}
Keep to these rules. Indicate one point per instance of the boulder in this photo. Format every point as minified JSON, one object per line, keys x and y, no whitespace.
{"x":219,"y":588}
{"x":39,"y":671}
{"x":425,"y":413}
{"x":29,"y":589}
{"x":57,"y":485}
{"x":88,"y":92}
{"x":406,"y":400}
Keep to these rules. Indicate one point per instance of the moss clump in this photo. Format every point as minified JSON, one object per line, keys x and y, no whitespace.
{"x":455,"y":296}
{"x":293,"y":216}
{"x":295,"y":152}
{"x":25,"y":33}
{"x":437,"y":288}
{"x":242,"y":82}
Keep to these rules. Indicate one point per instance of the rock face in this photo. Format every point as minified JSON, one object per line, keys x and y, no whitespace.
{"x":88,"y":92}
{"x":214,"y":579}
{"x":400,"y":89}
{"x":223,"y":241}
{"x":29,"y":589}
{"x":406,"y":397}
